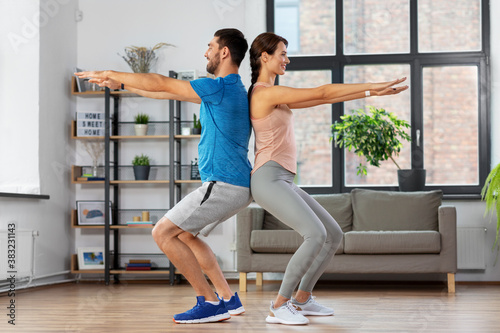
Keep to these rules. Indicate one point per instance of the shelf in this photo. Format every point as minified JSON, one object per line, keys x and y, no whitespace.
{"x":192,"y":136}
{"x":153,"y":271}
{"x":188,"y":181}
{"x":76,"y":172}
{"x":116,"y":182}
{"x":100,"y":93}
{"x":138,"y":137}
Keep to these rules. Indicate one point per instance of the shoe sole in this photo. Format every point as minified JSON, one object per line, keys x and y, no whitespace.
{"x":274,"y":320}
{"x":235,"y":312}
{"x":311,"y":313}
{"x":211,"y":319}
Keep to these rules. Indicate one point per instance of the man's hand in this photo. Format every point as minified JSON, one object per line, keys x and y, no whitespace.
{"x":101,"y":78}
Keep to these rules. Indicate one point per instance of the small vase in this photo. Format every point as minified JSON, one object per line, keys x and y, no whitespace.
{"x":141,"y":129}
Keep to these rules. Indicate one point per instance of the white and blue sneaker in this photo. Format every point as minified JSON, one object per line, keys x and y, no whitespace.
{"x":203,"y":312}
{"x":234,"y":306}
{"x":312,"y":308}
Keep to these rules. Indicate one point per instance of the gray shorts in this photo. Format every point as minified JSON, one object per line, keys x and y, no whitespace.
{"x":204,"y":208}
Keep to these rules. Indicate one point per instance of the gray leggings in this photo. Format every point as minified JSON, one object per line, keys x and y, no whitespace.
{"x":273,"y":189}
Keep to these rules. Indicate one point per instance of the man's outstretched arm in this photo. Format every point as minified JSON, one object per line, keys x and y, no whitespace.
{"x":145,"y":84}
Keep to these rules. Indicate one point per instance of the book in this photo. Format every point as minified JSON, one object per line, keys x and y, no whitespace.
{"x":139,"y":261}
{"x":138,"y":268}
{"x":138,"y":265}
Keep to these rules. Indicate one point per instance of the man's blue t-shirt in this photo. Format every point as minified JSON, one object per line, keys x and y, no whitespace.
{"x":226,"y":128}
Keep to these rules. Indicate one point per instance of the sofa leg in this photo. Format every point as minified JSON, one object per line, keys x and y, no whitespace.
{"x":243,"y":281}
{"x":451,"y":282}
{"x":259,"y":278}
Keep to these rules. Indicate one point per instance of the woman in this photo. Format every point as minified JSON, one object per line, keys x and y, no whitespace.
{"x":275,"y":167}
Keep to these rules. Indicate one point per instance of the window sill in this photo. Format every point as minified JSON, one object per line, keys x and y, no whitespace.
{"x":25,"y":196}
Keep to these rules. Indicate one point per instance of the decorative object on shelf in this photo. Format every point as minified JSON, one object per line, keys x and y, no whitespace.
{"x":196,"y":124}
{"x":95,"y":148}
{"x":141,"y":124}
{"x":141,"y":167}
{"x":90,"y":123}
{"x":491,"y":194}
{"x":141,"y":59}
{"x":91,"y":258}
{"x":195,"y":172}
{"x":374,"y":135}
{"x":186,"y":131}
{"x":92,"y":212}
{"x":188,"y":75}
{"x":145,"y":216}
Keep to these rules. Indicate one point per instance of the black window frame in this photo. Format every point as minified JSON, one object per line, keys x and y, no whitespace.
{"x":417,"y":61}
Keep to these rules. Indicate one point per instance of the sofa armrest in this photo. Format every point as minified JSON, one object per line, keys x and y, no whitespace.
{"x":250,"y":218}
{"x":447,"y":224}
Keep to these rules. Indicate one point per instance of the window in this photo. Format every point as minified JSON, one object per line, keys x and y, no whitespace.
{"x":441,"y":49}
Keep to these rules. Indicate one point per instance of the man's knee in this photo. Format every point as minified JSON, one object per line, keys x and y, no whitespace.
{"x":165,"y":229}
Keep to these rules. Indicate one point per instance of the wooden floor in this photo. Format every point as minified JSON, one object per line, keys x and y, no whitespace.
{"x":131,"y":307}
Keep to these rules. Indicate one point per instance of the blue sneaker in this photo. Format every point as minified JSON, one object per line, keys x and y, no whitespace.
{"x":234,"y":306}
{"x":203,"y":312}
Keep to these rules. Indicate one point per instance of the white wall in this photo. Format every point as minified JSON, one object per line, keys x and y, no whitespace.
{"x":46,"y":90}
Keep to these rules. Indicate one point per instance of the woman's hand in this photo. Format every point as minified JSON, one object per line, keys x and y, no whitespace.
{"x":387,"y":88}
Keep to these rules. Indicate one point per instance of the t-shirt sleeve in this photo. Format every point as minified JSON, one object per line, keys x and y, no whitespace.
{"x":209,"y":90}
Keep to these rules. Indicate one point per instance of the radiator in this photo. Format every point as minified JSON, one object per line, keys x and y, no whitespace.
{"x":471,"y":248}
{"x":24,"y":254}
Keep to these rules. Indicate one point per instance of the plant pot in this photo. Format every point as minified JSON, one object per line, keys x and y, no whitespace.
{"x":196,"y":130}
{"x":141,"y":172}
{"x":411,"y":180}
{"x":141,"y":129}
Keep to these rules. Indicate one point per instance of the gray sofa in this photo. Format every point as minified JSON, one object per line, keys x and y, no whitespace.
{"x":384,"y":232}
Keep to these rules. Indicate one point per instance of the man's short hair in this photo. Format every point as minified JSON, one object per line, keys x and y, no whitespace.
{"x":235,"y":42}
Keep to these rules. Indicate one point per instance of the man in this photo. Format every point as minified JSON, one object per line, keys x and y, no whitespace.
{"x":223,"y":164}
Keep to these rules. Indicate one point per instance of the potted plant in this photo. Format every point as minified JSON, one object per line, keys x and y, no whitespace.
{"x":375,"y":135}
{"x":141,"y":59}
{"x":491,"y":193}
{"x":141,"y":124}
{"x":141,"y":167}
{"x":196,"y":125}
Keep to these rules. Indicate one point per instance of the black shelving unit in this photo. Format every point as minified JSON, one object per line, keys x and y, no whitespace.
{"x":173,"y":175}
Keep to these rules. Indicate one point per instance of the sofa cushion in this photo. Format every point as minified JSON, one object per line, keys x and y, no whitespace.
{"x":392,"y":242}
{"x":272,"y":223}
{"x":278,"y":241}
{"x":339,"y":206}
{"x":384,"y":210}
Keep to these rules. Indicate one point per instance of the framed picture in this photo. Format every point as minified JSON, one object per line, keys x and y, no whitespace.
{"x":92,"y":212}
{"x":90,"y":258}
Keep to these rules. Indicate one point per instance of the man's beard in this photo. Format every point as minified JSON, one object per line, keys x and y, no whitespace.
{"x":213,"y":64}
